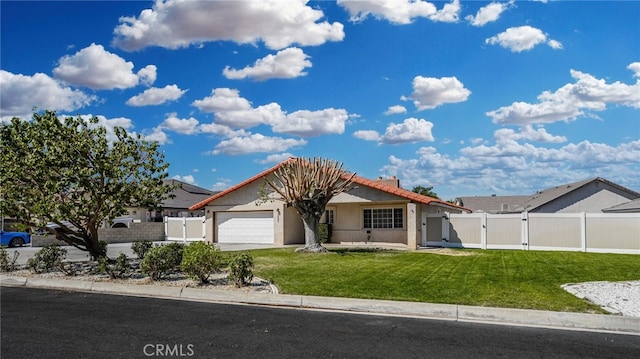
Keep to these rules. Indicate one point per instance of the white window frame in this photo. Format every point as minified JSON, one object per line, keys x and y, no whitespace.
{"x":393,"y":217}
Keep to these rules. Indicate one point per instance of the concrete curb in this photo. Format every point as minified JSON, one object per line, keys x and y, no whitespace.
{"x":453,"y":312}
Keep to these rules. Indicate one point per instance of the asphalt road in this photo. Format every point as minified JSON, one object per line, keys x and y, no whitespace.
{"x":38,"y":323}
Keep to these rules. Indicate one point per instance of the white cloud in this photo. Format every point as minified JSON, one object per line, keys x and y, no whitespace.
{"x":110,"y":123}
{"x":635,"y":67}
{"x":311,"y":123}
{"x":147,"y":75}
{"x":158,"y":135}
{"x":527,"y":133}
{"x":156,"y":96}
{"x":367,"y":135}
{"x":518,"y":39}
{"x":221,"y":185}
{"x":570,"y":101}
{"x":223,"y":99}
{"x":395,"y":11}
{"x":185,"y":126}
{"x":400,"y":12}
{"x":488,"y":13}
{"x":510,"y":167}
{"x":265,"y":114}
{"x":449,"y":12}
{"x":278,"y":23}
{"x":221,"y":130}
{"x":276,"y":158}
{"x":554,"y":44}
{"x":410,"y":130}
{"x":396,"y":109}
{"x":21,"y":94}
{"x":96,"y":68}
{"x":255,"y":143}
{"x":286,"y":64}
{"x":237,"y":112}
{"x":430,"y":92}
{"x":186,"y":179}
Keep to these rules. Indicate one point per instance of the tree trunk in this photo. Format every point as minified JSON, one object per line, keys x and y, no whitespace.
{"x":311,"y":238}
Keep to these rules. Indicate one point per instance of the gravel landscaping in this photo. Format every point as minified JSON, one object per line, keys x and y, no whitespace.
{"x":615,"y":297}
{"x":87,"y":271}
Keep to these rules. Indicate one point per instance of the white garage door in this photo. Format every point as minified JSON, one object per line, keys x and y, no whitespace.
{"x":245,"y":227}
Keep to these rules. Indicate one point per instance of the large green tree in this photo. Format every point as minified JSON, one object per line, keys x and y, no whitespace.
{"x":308,"y":185}
{"x":425,"y":191}
{"x":73,"y":173}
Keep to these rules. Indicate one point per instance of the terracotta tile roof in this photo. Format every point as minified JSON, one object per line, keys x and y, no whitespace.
{"x":401,"y":192}
{"x":379,"y":185}
{"x":237,"y":186}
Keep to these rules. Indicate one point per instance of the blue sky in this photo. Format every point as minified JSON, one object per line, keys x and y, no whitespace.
{"x":470,"y":97}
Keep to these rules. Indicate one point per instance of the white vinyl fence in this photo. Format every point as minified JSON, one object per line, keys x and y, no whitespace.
{"x":185,"y":229}
{"x":586,"y":232}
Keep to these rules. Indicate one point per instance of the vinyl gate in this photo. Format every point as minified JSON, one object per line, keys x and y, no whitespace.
{"x":185,"y":229}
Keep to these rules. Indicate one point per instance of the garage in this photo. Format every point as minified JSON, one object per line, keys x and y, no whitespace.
{"x":245,"y":227}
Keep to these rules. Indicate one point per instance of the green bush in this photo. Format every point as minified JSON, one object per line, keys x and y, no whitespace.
{"x":324,"y":232}
{"x":6,"y":264}
{"x":118,"y":269}
{"x":160,"y":260}
{"x":241,"y":269}
{"x":199,"y":260}
{"x":141,"y":248}
{"x":175,"y":251}
{"x":48,"y":258}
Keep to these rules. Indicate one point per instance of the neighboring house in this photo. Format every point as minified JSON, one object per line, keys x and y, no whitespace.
{"x":372,"y":211}
{"x":627,"y":207}
{"x":594,"y":195}
{"x":184,"y":195}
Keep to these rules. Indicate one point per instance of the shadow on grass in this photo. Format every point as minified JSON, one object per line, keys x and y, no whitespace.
{"x":347,"y":251}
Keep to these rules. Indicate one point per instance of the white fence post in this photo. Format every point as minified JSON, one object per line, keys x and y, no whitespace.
{"x":204,"y":228}
{"x":525,"y":230}
{"x":483,"y":230}
{"x":166,"y":228}
{"x":445,"y":229}
{"x":583,"y":231}
{"x":184,"y":230}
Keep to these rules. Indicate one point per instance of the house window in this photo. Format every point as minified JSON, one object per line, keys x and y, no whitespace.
{"x":383,"y":218}
{"x":328,"y":216}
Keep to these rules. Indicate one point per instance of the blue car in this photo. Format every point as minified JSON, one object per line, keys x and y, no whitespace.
{"x":14,"y":239}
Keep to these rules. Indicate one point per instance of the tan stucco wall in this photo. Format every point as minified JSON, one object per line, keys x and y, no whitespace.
{"x":348,"y":226}
{"x":293,"y":227}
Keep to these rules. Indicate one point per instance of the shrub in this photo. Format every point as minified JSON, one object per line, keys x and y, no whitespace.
{"x":48,"y":258}
{"x":6,"y":264}
{"x":199,"y":260}
{"x":324,"y":232}
{"x":118,"y":269}
{"x":175,"y":250}
{"x":141,"y":248}
{"x":241,"y":269}
{"x":161,"y":260}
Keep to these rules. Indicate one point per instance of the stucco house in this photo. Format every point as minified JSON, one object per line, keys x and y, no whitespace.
{"x":595,"y":195}
{"x":182,"y":197}
{"x":372,"y":211}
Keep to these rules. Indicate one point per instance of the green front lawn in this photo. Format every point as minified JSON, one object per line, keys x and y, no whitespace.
{"x":511,"y":279}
